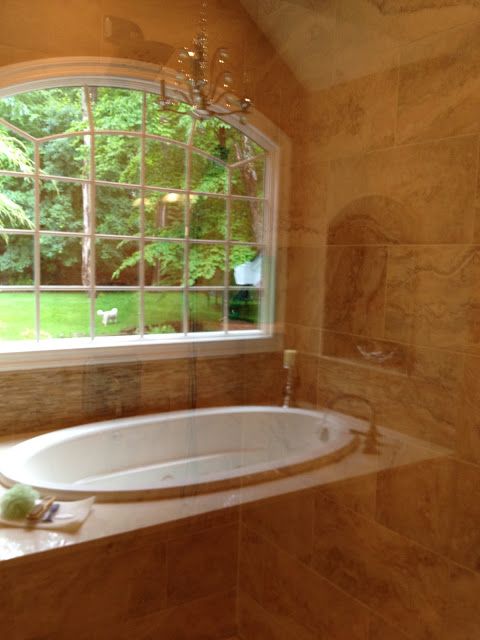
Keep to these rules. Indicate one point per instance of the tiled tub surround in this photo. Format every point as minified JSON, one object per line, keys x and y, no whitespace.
{"x":48,"y":399}
{"x":170,"y":568}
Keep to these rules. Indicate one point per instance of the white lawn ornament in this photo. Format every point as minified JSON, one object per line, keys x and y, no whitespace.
{"x":108,"y":316}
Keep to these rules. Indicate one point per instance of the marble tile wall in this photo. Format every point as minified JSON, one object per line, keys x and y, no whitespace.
{"x":46,"y":399}
{"x":176,"y":583}
{"x":384,"y":302}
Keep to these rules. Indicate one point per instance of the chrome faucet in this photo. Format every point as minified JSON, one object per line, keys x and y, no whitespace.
{"x":372,"y":437}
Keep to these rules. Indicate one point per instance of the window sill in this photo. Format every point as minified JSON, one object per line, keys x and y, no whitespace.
{"x":78,"y":352}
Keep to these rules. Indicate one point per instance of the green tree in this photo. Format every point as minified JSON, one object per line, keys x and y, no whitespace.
{"x":13,"y":156}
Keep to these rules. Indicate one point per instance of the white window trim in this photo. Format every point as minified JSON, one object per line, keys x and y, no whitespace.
{"x":57,"y":72}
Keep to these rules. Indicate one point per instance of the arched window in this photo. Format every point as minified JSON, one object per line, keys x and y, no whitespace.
{"x":120,"y":223}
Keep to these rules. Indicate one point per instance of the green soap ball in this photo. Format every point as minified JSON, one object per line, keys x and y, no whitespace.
{"x":17,"y":502}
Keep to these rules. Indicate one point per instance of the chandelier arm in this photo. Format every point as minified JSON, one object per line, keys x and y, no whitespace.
{"x":216,"y":84}
{"x":214,"y":60}
{"x":220,"y":97}
{"x":184,"y":97}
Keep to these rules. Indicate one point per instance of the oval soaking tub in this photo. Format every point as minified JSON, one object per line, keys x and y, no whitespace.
{"x":175,"y":454}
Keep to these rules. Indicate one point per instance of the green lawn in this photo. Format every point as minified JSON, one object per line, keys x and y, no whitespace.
{"x":66,"y":315}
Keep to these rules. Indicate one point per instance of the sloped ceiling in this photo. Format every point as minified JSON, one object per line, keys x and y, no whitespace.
{"x":327,"y":42}
{"x":302,"y":33}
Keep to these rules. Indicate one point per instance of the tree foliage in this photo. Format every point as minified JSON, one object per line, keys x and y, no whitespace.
{"x":118,"y":159}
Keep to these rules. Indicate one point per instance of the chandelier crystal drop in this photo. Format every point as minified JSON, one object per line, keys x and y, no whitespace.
{"x":208,"y":87}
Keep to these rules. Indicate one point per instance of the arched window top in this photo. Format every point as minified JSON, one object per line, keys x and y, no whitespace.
{"x":118,"y":220}
{"x":47,"y":114}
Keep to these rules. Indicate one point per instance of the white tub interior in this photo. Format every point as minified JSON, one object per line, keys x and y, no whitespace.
{"x":167,"y":454}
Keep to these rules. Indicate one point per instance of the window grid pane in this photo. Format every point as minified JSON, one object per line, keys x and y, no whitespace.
{"x":94,"y":284}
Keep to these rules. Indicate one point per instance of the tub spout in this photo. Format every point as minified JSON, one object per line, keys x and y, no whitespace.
{"x":372,"y":437}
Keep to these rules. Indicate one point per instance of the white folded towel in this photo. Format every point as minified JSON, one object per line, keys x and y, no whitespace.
{"x":69,"y":517}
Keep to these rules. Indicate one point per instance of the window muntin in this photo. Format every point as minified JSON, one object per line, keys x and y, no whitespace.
{"x":190,"y":203}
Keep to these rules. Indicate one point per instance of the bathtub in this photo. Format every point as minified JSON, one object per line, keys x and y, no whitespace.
{"x":176,"y":454}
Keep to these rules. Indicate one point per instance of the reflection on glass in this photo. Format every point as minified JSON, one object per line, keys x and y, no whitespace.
{"x":164,"y":165}
{"x":118,"y":211}
{"x":64,"y":314}
{"x":64,"y":261}
{"x":205,"y":311}
{"x":68,"y":157}
{"x":165,"y":214}
{"x":208,"y":219}
{"x":17,"y":315}
{"x":47,"y":111}
{"x":119,"y":109}
{"x":207,"y":176}
{"x":16,"y":202}
{"x":117,"y":313}
{"x":16,"y":260}
{"x":246,"y":221}
{"x":243,"y":309}
{"x":117,"y":158}
{"x":246,"y":266}
{"x":163,"y":312}
{"x":249,"y":178}
{"x":62,"y":205}
{"x":206,"y":265}
{"x":224,"y":142}
{"x":169,"y":125}
{"x":116,"y":262}
{"x":164,"y":264}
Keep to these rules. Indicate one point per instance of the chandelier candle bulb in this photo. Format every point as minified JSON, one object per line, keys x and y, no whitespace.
{"x":289,"y":357}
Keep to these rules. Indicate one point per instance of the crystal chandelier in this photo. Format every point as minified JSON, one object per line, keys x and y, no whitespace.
{"x":206,"y":86}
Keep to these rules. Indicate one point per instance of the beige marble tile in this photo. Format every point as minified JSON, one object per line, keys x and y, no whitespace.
{"x":148,"y":589}
{"x":417,"y":401}
{"x":251,"y":563}
{"x":464,"y":534}
{"x":358,"y":494}
{"x":414,"y":194}
{"x":296,"y":593}
{"x":7,"y":621}
{"x":381,"y":630}
{"x":305,"y":285}
{"x":92,"y":587}
{"x":432,"y":296}
{"x":266,"y":389}
{"x":219,"y":381}
{"x":417,"y":502}
{"x":202,"y":564}
{"x":463,"y":615}
{"x":369,"y":352}
{"x":359,"y":58}
{"x":286,"y":522}
{"x":408,"y":584}
{"x":212,"y":618}
{"x":392,"y":22}
{"x":355,"y":290}
{"x":308,"y":205}
{"x":255,"y":623}
{"x":352,"y":117}
{"x":439,"y":94}
{"x":468,"y":433}
{"x":303,"y":339}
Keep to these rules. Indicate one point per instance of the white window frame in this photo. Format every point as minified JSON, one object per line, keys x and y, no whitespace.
{"x":126,"y":74}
